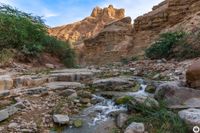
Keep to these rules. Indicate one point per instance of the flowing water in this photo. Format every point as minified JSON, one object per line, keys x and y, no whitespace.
{"x":99,"y":117}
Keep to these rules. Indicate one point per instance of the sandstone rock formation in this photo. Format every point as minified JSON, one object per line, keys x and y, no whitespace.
{"x":106,"y":36}
{"x":193,"y":75}
{"x":89,"y":26}
{"x":110,"y":44}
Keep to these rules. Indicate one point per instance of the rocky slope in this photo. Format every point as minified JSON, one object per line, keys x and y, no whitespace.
{"x":89,"y":26}
{"x":169,"y":15}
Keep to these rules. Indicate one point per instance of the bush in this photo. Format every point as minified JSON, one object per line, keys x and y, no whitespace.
{"x":61,"y":49}
{"x":6,"y":55}
{"x":162,"y":48}
{"x":28,"y":34}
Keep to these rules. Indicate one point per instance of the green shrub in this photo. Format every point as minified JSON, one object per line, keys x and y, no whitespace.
{"x":61,"y":49}
{"x":28,"y":34}
{"x":158,"y":119}
{"x":162,"y":48}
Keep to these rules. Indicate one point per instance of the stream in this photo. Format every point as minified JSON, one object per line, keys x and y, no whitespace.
{"x":99,"y":118}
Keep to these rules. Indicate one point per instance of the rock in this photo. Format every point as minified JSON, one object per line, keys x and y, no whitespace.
{"x":121,"y":119}
{"x":193,"y":75}
{"x":146,"y":100}
{"x":150,"y":89}
{"x":135,"y":128}
{"x":36,"y":90}
{"x":190,"y":116}
{"x":85,"y":100}
{"x":67,"y":92}
{"x":51,"y":66}
{"x":13,"y":125}
{"x":60,"y":119}
{"x":6,"y":82}
{"x":4,"y":93}
{"x":84,"y":94}
{"x":78,"y":123}
{"x":89,"y":26}
{"x":73,"y":75}
{"x":123,"y":100}
{"x":114,"y":84}
{"x":178,"y":96}
{"x":64,"y":85}
{"x":4,"y":114}
{"x":12,"y":110}
{"x":113,"y":40}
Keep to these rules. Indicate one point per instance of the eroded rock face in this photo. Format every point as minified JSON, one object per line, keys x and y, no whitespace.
{"x":193,"y":75}
{"x":111,"y":44}
{"x":89,"y":26}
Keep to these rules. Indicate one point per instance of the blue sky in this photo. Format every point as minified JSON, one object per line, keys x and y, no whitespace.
{"x":59,"y":12}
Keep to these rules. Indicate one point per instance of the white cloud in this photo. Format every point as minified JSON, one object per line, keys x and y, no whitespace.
{"x":47,"y":13}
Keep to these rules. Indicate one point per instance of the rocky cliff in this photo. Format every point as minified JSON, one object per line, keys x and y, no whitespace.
{"x":109,"y":36}
{"x":89,"y":26}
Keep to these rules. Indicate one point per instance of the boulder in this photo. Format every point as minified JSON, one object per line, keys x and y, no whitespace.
{"x":146,"y":100}
{"x":114,"y":84}
{"x":177,"y":95}
{"x":121,"y":119}
{"x":193,"y":75}
{"x":61,"y":119}
{"x":4,"y":114}
{"x":190,"y":116}
{"x":135,"y":128}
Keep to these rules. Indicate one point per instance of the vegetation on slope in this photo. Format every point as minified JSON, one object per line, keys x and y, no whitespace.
{"x":173,"y":45}
{"x":28,"y":35}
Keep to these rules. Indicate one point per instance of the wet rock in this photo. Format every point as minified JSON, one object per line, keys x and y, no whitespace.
{"x":114,"y":84}
{"x":150,"y":89}
{"x":135,"y":128}
{"x":123,"y":100}
{"x":78,"y":123}
{"x":6,"y":82}
{"x":121,"y":119}
{"x":178,"y":96}
{"x":145,"y":100}
{"x":4,"y":114}
{"x":190,"y":116}
{"x":61,"y":119}
{"x":193,"y":75}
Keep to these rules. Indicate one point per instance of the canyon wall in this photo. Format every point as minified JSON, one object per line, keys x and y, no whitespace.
{"x":107,"y":36}
{"x":89,"y":26}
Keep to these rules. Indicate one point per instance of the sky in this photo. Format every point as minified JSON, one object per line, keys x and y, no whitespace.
{"x":60,"y":12}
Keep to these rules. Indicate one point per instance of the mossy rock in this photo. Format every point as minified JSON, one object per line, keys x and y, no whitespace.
{"x":78,"y":123}
{"x":136,"y":87}
{"x":150,"y":89}
{"x":123,"y":100}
